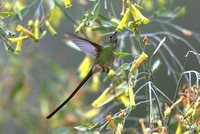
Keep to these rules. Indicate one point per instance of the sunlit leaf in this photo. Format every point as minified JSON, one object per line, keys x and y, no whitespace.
{"x":122,"y":68}
{"x":122,"y":54}
{"x":156,"y":65}
{"x":159,"y":45}
{"x":84,"y":127}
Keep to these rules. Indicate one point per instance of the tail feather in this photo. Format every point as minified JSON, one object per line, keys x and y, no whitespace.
{"x":72,"y":94}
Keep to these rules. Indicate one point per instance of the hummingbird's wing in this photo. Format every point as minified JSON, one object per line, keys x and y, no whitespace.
{"x":84,"y":45}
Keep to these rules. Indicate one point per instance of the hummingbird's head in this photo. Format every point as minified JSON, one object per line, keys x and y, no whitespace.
{"x":113,"y":39}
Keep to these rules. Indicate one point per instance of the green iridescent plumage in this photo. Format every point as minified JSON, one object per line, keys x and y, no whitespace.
{"x":103,"y":56}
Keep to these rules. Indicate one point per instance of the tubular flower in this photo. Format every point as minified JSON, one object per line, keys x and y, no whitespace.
{"x":84,"y":67}
{"x":179,"y":128}
{"x":83,"y":23}
{"x":95,"y":82}
{"x":18,"y":38}
{"x":55,"y":16}
{"x":31,"y":24}
{"x":18,"y":47}
{"x":98,"y":102}
{"x":50,"y":28}
{"x":36,"y":30}
{"x":110,"y":75}
{"x":19,"y":5}
{"x":7,"y":6}
{"x":119,"y":128}
{"x":91,"y":113}
{"x":131,"y":96}
{"x":124,"y":100}
{"x":137,"y":63}
{"x":137,"y":15}
{"x":23,"y":30}
{"x":124,"y":20}
{"x":68,"y":3}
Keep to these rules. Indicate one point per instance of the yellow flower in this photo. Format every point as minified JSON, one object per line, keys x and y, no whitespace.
{"x":110,"y":75}
{"x":50,"y":28}
{"x":31,"y":24}
{"x":124,"y":100}
{"x":137,"y":15}
{"x":7,"y":6}
{"x":36,"y":30}
{"x":68,"y":3}
{"x":99,"y":101}
{"x":84,"y":67}
{"x":95,"y":83}
{"x":18,"y":38}
{"x":148,"y":5}
{"x":124,"y":20}
{"x":91,"y":113}
{"x":108,"y":95}
{"x":131,"y":96}
{"x":19,"y":5}
{"x":55,"y":16}
{"x":119,"y":128}
{"x":18,"y":47}
{"x":137,"y":63}
{"x":23,"y":30}
{"x":179,"y":129}
{"x":167,"y":112}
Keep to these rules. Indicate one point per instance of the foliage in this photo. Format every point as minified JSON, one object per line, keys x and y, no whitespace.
{"x":132,"y":84}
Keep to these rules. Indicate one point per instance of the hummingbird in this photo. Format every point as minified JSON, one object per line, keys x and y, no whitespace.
{"x":103,"y":59}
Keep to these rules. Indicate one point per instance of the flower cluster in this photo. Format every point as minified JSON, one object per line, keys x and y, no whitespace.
{"x":32,"y":32}
{"x":132,"y":9}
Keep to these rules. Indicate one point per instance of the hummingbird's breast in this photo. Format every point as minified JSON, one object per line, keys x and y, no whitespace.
{"x":106,"y":57}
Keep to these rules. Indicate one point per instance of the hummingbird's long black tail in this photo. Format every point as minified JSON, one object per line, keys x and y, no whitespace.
{"x":72,"y":94}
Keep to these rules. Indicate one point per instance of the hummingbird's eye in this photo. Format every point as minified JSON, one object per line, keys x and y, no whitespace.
{"x":113,"y":38}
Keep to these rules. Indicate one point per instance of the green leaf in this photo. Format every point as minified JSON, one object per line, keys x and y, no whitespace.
{"x":95,"y":11}
{"x":122,"y":54}
{"x":181,"y":11}
{"x":7,"y":14}
{"x":19,"y":14}
{"x":84,"y":127}
{"x":122,"y":68}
